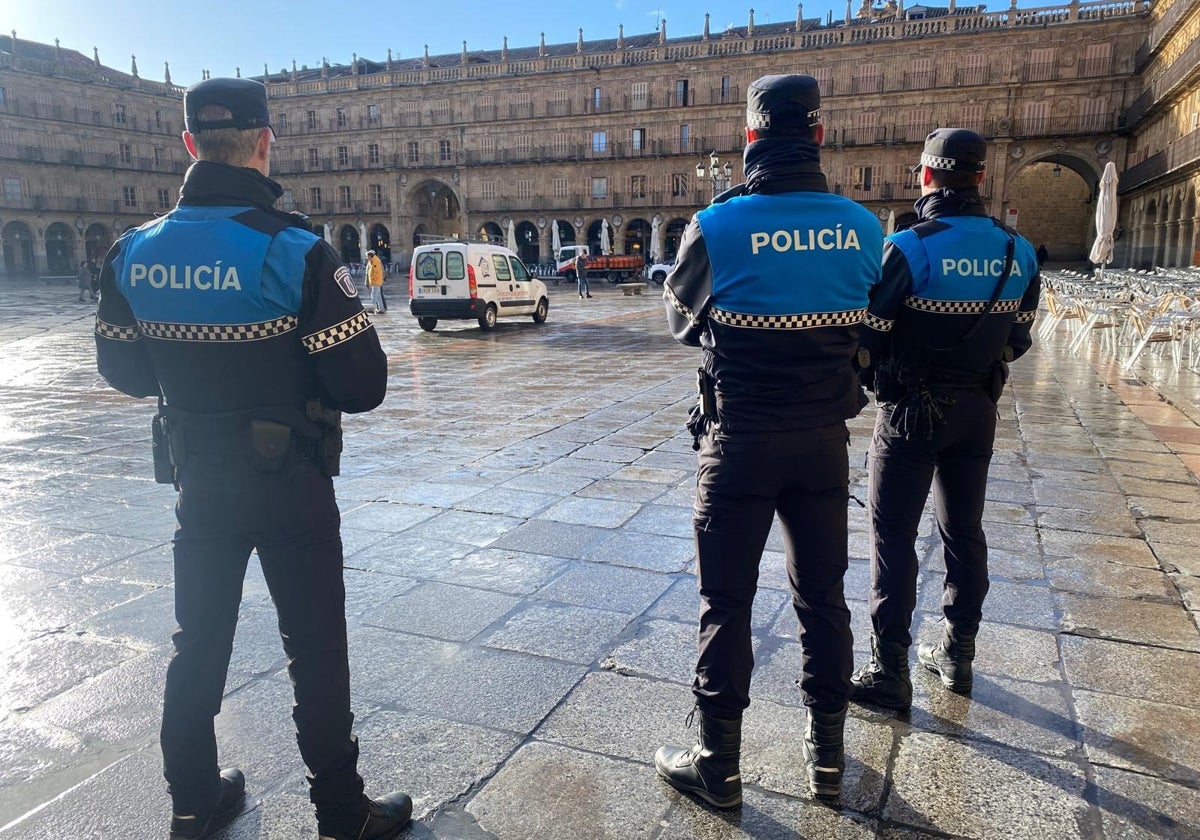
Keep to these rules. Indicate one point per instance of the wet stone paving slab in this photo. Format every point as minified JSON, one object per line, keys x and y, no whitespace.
{"x":521,"y":604}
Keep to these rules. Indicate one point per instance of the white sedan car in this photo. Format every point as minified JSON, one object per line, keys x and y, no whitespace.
{"x":658,"y":271}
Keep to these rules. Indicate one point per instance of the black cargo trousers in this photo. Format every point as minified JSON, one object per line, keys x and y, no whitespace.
{"x":225,"y":510}
{"x":743,"y":481}
{"x":955,"y":462}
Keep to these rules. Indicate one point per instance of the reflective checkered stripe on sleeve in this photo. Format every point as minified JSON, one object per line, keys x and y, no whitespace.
{"x":876,"y":323}
{"x":1026,"y":317}
{"x":960,"y":307}
{"x":338,"y":333}
{"x":218,"y":332}
{"x":680,"y":307}
{"x":116,"y":332}
{"x":803,"y":321}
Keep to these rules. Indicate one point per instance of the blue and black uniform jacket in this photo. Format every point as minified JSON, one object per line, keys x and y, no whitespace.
{"x":938,"y":277}
{"x":228,"y":305}
{"x":773,"y":287}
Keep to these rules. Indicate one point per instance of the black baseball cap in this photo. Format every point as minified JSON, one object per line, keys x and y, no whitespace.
{"x":783,"y":101}
{"x":954,"y":150}
{"x":246,"y":100}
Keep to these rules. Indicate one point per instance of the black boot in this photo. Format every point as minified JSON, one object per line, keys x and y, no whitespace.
{"x":710,"y":768}
{"x":884,"y":680}
{"x":385,"y":819}
{"x":198,"y":826}
{"x":951,"y":659}
{"x":824,"y":753}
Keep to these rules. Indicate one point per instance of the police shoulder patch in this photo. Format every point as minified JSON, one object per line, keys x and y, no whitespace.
{"x":345,"y":282}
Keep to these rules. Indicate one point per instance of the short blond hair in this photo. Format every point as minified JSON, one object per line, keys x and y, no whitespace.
{"x":234,"y":146}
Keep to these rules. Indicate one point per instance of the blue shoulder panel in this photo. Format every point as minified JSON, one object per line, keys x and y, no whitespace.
{"x":963,"y":262}
{"x":283,"y":273}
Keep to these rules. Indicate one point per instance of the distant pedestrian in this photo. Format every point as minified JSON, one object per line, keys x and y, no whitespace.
{"x":95,"y":269}
{"x":375,"y":281}
{"x":581,"y":280}
{"x":1042,"y":255}
{"x":85,"y":283}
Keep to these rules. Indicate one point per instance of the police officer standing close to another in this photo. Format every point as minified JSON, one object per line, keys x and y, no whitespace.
{"x":249,"y":331}
{"x":956,"y":305}
{"x":771,"y":282}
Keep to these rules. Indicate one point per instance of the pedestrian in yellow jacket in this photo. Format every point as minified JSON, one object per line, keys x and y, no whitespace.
{"x":375,"y":281}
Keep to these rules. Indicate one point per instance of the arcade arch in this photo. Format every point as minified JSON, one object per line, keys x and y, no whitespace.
{"x":60,"y":249}
{"x":17,"y":241}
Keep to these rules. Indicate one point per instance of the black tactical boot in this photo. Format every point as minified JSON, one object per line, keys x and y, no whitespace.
{"x":951,"y":659}
{"x":824,"y":754}
{"x":884,"y":680}
{"x":385,"y":819}
{"x":710,"y":768}
{"x":198,"y":826}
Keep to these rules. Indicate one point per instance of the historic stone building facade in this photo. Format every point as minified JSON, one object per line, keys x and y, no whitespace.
{"x":621,"y":131}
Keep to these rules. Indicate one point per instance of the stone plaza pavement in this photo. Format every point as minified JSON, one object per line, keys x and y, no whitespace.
{"x":522,"y":606}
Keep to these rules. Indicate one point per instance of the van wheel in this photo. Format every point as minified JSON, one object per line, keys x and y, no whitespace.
{"x":658,"y":277}
{"x":427,"y":324}
{"x":539,"y":314}
{"x":613,"y":277}
{"x":488,"y":321}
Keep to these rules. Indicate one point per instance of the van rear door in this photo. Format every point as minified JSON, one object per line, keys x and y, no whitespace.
{"x":440,"y":272}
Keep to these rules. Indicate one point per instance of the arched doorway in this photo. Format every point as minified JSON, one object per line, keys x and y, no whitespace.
{"x":1149,"y":236}
{"x":675,"y":229}
{"x":593,"y":236}
{"x":348,"y":244}
{"x":381,"y":243}
{"x":637,"y":238}
{"x":96,"y":241}
{"x":60,"y":249}
{"x":18,"y":248}
{"x":419,"y":232}
{"x":1055,"y":202}
{"x":528,"y":243}
{"x":435,"y":207}
{"x":491,"y":232}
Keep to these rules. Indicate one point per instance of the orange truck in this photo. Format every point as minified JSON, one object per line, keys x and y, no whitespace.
{"x":612,"y":267}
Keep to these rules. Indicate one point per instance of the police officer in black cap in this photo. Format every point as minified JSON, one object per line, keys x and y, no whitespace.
{"x":772,"y":282}
{"x":249,"y":331}
{"x":956,"y":305}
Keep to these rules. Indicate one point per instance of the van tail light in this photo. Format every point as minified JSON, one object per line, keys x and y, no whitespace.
{"x":471,"y":284}
{"x":410,"y":279}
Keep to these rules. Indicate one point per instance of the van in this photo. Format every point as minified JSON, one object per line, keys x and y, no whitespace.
{"x":460,"y":280}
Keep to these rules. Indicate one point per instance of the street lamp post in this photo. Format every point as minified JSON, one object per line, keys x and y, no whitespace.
{"x":716,"y":174}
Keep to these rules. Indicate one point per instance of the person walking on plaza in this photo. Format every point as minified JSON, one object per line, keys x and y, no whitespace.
{"x":956,"y":305}
{"x":375,"y":281}
{"x":249,"y":331}
{"x":85,"y":283}
{"x":581,"y":279}
{"x":772,"y":281}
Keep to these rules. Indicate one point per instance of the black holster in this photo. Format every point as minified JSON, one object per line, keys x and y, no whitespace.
{"x":328,"y":451}
{"x":160,"y":448}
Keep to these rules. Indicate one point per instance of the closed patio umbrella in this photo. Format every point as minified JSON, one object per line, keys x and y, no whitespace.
{"x":512,"y":236}
{"x":1106,"y":219}
{"x":555,"y":239}
{"x":605,"y":242}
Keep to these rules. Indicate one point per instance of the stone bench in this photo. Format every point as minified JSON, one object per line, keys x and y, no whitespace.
{"x":628,"y":289}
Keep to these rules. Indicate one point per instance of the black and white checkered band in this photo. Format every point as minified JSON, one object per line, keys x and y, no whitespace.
{"x":115,"y":332}
{"x":950,"y":164}
{"x":679,"y":307}
{"x":805,"y":321}
{"x":877,"y":323}
{"x":218,"y":332}
{"x":331,"y":337}
{"x":762,"y":120}
{"x":961,"y":307}
{"x":1026,"y":317}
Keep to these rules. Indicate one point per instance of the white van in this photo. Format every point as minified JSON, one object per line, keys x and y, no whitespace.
{"x":459,"y":280}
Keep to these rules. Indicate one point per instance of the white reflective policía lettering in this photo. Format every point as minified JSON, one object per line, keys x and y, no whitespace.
{"x":978,"y":267}
{"x":823,"y":239}
{"x":203,"y":277}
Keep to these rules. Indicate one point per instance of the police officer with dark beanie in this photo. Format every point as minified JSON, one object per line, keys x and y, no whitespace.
{"x":956,"y":305}
{"x":771,"y":282}
{"x":248,"y":330}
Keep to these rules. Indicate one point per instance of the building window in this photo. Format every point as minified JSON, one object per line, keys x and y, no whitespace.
{"x":444,"y":154}
{"x":867,"y":79}
{"x":523,"y":145}
{"x":599,"y":188}
{"x":373,"y":154}
{"x":1092,"y":115}
{"x":343,"y":155}
{"x":3,"y":97}
{"x":487,"y":190}
{"x":864,"y":127}
{"x":441,"y":110}
{"x":12,"y":189}
{"x":824,"y":77}
{"x":488,"y":146}
{"x":413,"y":153}
{"x":599,"y":141}
{"x":682,"y":96}
{"x":970,"y":116}
{"x":119,"y":115}
{"x":639,"y":139}
{"x":314,"y":198}
{"x":560,"y":188}
{"x":343,"y":118}
{"x":525,"y":189}
{"x":373,"y":114}
{"x":1041,"y":65}
{"x":1097,"y":60}
{"x":637,"y":186}
{"x":639,"y":95}
{"x":164,"y":199}
{"x":973,"y":70}
{"x":596,"y":99}
{"x":158,"y":119}
{"x":280,"y":121}
{"x":158,"y":157}
{"x":726,"y":88}
{"x":920,"y":77}
{"x":287,"y":201}
{"x":376,"y":191}
{"x":561,"y":144}
{"x":130,"y":196}
{"x":680,"y":185}
{"x":311,"y":120}
{"x":126,"y":153}
{"x":685,"y":138}
{"x":314,"y":158}
{"x":344,"y":197}
{"x":863,"y":178}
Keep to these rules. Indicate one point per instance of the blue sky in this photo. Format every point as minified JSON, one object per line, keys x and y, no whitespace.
{"x":220,"y":35}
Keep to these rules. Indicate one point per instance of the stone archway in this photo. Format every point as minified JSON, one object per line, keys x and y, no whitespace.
{"x":435,"y":206}
{"x":1149,"y":241}
{"x":528,"y":242}
{"x":672,"y":237}
{"x":1054,"y":198}
{"x":419,"y":232}
{"x":17,"y":240}
{"x":60,"y":249}
{"x":381,"y":243}
{"x":348,"y":244}
{"x":593,"y":236}
{"x":637,"y":238}
{"x":97,"y":239}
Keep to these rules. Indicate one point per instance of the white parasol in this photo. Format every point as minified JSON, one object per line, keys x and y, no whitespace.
{"x":655,"y":256}
{"x":890,"y":227}
{"x":362,"y":242}
{"x":512,"y":236}
{"x":328,"y":233}
{"x":605,"y":242}
{"x":1106,"y":219}
{"x":555,"y":239}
